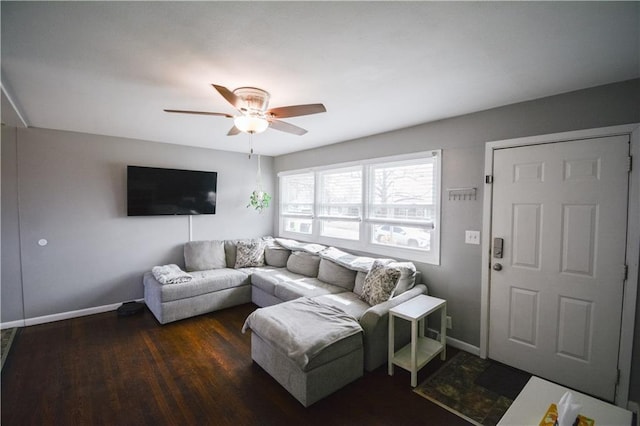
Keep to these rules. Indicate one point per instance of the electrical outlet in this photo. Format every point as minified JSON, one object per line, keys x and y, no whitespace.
{"x":472,"y":237}
{"x":449,"y":322}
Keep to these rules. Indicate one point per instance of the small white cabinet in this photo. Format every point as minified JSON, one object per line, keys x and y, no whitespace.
{"x":421,"y":349}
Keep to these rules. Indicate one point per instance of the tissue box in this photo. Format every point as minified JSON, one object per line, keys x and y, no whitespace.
{"x":551,"y":416}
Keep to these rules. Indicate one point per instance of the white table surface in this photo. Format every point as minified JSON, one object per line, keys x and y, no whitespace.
{"x":534,"y":400}
{"x":418,"y":307}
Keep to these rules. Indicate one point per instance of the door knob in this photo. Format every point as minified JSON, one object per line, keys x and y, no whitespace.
{"x":497,"y":267}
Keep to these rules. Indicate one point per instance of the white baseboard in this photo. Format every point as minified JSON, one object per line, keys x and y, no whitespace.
{"x":633,"y":406}
{"x":458,"y":344}
{"x":463,"y":346}
{"x":12,"y":324}
{"x":62,"y":316}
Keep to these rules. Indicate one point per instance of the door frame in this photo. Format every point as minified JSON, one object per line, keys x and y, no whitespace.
{"x":632,"y":246}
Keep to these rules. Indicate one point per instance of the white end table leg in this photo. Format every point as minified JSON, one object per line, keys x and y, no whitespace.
{"x":414,"y":353}
{"x":391,"y":344}
{"x":443,"y":331}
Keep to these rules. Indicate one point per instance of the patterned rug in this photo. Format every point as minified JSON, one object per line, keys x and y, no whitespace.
{"x":478,"y":390}
{"x":7,"y":339}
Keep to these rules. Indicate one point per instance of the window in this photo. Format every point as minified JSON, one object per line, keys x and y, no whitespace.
{"x":340,"y":203}
{"x":388,"y":206}
{"x":296,"y":208}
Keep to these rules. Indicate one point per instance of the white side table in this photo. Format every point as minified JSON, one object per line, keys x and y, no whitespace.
{"x":422,"y":349}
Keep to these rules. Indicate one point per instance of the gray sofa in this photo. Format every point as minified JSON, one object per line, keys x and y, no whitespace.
{"x":286,"y":271}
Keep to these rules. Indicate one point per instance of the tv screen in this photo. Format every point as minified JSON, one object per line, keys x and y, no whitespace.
{"x":153,"y":191}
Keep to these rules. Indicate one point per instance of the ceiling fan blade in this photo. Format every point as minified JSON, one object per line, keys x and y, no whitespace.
{"x":296,"y":110}
{"x":199,"y":112}
{"x":233,"y":131}
{"x":286,"y":127}
{"x":229,"y":96}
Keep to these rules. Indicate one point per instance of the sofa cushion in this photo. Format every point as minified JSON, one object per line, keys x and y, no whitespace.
{"x":249,"y":253}
{"x":304,"y":287}
{"x":268,"y":279}
{"x":407,"y":276}
{"x":230,"y":251}
{"x":357,"y":288}
{"x":347,"y":301}
{"x":333,"y":273}
{"x":276,"y":256}
{"x":379,"y":283}
{"x":204,"y":255}
{"x":303,"y":263}
{"x":203,"y":282}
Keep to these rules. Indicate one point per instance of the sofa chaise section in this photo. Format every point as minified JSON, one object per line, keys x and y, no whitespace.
{"x":208,"y":291}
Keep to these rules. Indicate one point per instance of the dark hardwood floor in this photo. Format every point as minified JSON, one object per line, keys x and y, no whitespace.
{"x":106,"y":370}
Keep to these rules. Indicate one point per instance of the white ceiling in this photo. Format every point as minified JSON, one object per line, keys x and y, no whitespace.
{"x":110,"y":68}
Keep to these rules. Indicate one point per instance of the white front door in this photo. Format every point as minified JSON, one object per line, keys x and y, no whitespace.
{"x":556,"y":300}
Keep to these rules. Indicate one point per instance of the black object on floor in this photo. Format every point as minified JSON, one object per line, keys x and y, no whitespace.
{"x":503,"y":380}
{"x":130,"y":308}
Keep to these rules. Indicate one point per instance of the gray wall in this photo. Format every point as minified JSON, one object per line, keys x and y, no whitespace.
{"x":458,"y":278}
{"x":11,"y":279}
{"x":71,"y":190}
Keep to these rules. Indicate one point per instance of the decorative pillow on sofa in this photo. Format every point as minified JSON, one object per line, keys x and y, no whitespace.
{"x":379,"y":283}
{"x":303,"y":263}
{"x":204,"y":255}
{"x":249,"y":253}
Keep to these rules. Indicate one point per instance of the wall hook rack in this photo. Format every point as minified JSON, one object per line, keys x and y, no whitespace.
{"x":462,"y":194}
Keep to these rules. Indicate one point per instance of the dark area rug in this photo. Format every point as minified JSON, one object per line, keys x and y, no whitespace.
{"x":7,"y":339}
{"x":478,"y":390}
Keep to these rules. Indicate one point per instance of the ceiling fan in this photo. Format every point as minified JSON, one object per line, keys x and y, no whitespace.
{"x":254,"y":117}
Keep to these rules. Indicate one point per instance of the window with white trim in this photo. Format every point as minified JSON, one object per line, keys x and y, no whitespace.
{"x":388,"y":206}
{"x":340,"y":203}
{"x":297,"y":203}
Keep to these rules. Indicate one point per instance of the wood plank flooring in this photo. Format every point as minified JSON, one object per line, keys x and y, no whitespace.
{"x":106,"y":370}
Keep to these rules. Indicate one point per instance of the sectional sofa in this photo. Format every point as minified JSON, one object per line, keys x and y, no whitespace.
{"x":270,"y":271}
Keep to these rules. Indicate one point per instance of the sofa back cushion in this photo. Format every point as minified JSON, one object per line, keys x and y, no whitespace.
{"x":357,"y":288}
{"x":303,"y":263}
{"x":204,"y":255}
{"x":276,"y":256}
{"x":332,"y":273}
{"x":230,"y":252}
{"x":407,"y":276}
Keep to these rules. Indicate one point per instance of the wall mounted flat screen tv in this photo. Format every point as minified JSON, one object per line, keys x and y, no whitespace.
{"x":154,"y":191}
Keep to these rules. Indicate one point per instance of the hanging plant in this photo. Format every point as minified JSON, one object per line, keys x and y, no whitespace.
{"x":259,"y":200}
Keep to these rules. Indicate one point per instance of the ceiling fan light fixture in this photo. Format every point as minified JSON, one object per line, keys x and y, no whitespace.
{"x":251,"y":123}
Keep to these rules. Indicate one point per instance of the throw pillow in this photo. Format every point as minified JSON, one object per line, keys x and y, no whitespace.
{"x":204,"y":255}
{"x":249,"y":253}
{"x":379,"y":283}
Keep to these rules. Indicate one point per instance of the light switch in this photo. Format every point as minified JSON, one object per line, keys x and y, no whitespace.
{"x":472,"y":237}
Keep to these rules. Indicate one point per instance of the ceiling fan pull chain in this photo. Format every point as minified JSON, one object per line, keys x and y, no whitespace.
{"x":259,"y":176}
